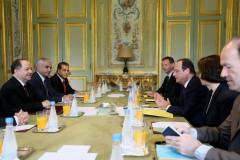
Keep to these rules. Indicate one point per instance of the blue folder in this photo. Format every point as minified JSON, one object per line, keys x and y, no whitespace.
{"x":164,"y":151}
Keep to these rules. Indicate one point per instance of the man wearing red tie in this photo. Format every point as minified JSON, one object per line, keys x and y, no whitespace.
{"x":59,"y":80}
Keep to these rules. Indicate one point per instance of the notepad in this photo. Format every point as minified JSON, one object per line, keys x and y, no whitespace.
{"x":23,"y":128}
{"x":172,"y":124}
{"x":149,"y":100}
{"x":167,"y":152}
{"x":157,"y":112}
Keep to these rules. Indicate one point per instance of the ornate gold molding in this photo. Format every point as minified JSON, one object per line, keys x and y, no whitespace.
{"x":68,"y":15}
{"x":229,"y":19}
{"x":238,"y":18}
{"x":4,"y":56}
{"x":170,"y":24}
{"x":200,"y":32}
{"x":40,"y":26}
{"x":187,"y":12}
{"x":159,"y":39}
{"x":30,"y":31}
{"x":217,"y":12}
{"x":68,"y":42}
{"x":43,"y":15}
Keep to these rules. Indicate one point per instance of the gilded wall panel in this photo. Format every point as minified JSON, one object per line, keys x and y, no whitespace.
{"x":178,"y":38}
{"x":78,"y":82}
{"x":3,"y":55}
{"x":149,"y":35}
{"x":48,"y":41}
{"x":47,"y":8}
{"x":75,"y":40}
{"x":75,"y":8}
{"x":210,"y":7}
{"x":209,"y":41}
{"x":179,"y":7}
{"x":102,"y":41}
{"x":238,"y":19}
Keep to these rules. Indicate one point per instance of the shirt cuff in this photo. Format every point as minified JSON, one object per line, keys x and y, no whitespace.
{"x":193,"y":133}
{"x":168,"y":106}
{"x":201,"y":152}
{"x":16,"y":120}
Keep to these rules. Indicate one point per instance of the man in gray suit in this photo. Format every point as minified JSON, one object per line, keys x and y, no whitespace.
{"x":227,"y":135}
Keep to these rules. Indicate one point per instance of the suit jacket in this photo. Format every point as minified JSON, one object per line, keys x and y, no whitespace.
{"x":220,"y":105}
{"x":42,"y":92}
{"x":192,"y":103}
{"x":2,"y":122}
{"x":226,"y":135}
{"x":58,"y":85}
{"x":2,"y":117}
{"x":170,"y":89}
{"x":18,"y":98}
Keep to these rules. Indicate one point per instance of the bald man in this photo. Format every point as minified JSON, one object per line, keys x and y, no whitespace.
{"x":16,"y":93}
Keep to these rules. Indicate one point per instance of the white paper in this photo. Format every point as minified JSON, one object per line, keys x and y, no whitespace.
{"x":49,"y":156}
{"x":24,"y":127}
{"x":69,"y":149}
{"x":88,"y":111}
{"x":120,"y":111}
{"x":77,"y":156}
{"x":64,"y":156}
{"x":172,"y":124}
{"x":115,"y":95}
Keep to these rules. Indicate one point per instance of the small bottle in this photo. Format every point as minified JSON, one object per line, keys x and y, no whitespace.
{"x":9,"y":142}
{"x":127,"y":137}
{"x":116,"y":147}
{"x":52,"y":125}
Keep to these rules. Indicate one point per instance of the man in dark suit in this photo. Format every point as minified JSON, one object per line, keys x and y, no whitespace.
{"x":16,"y":93}
{"x":227,"y":134}
{"x":191,"y":101}
{"x":59,"y":80}
{"x":169,"y":88}
{"x":19,"y":117}
{"x":40,"y":84}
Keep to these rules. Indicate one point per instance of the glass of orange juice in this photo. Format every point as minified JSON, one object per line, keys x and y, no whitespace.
{"x":139,"y":136}
{"x":66,"y":108}
{"x":85,"y":98}
{"x":41,"y":118}
{"x":1,"y":141}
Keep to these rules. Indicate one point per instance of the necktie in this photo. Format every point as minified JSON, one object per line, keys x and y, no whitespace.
{"x":64,"y":87}
{"x":45,"y":86}
{"x":25,"y":90}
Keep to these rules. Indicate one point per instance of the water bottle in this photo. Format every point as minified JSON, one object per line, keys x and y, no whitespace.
{"x":116,"y":147}
{"x":127,"y":131}
{"x":9,"y":142}
{"x":52,"y":125}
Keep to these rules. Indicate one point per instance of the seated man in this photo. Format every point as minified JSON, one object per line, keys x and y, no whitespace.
{"x":193,"y":94}
{"x":16,"y":93}
{"x":169,"y":89}
{"x":227,"y":135}
{"x":40,"y":84}
{"x":19,"y":117}
{"x":59,"y":80}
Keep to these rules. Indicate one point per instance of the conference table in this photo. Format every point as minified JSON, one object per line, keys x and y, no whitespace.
{"x":89,"y":130}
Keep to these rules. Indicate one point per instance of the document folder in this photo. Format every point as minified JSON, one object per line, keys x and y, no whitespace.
{"x":157,"y":112}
